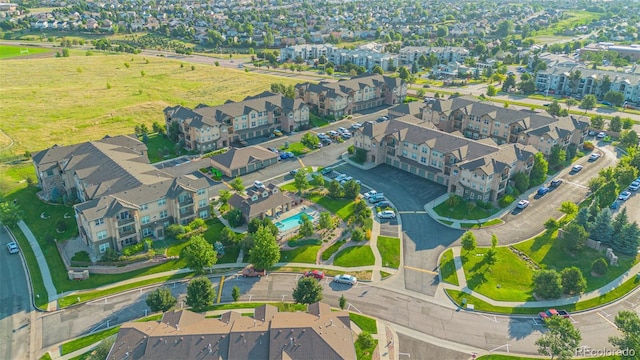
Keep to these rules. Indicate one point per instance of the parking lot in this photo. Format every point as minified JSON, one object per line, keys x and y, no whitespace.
{"x":423,"y":237}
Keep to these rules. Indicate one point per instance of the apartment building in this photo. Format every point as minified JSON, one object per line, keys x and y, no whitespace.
{"x":367,"y":56}
{"x":481,"y":120}
{"x":557,"y":80}
{"x":446,"y":54}
{"x":348,"y":96}
{"x":472,"y":169}
{"x":121,"y":197}
{"x":207,"y":128}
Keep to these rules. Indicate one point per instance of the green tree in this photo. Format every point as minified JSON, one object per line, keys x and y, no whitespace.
{"x":101,"y":352}
{"x":491,"y":90}
{"x":468,"y":241}
{"x":265,"y":251}
{"x":571,"y":102}
{"x":602,"y":229}
{"x":235,"y":217}
{"x":627,"y":242}
{"x":403,"y":73}
{"x":351,"y":189}
{"x":326,"y":220}
{"x":199,"y":254}
{"x":377,"y":70}
{"x":310,"y":140}
{"x":521,"y":182}
{"x":619,"y":221}
{"x":200,"y":293}
{"x":509,"y":82}
{"x":361,"y":156}
{"x":628,"y":323}
{"x":554,"y":108}
{"x":306,"y":227}
{"x":342,"y":302}
{"x":318,"y":180}
{"x":300,"y":180}
{"x":365,"y":340}
{"x":614,"y":97}
{"x":600,"y":266}
{"x":335,"y":190}
{"x":588,"y":102}
{"x":627,"y":123}
{"x":357,"y":235}
{"x":568,"y":207}
{"x":10,"y":213}
{"x":615,"y":124}
{"x":560,"y":340}
{"x":597,"y":122}
{"x":573,"y":282}
{"x":237,"y":184}
{"x":539,"y":171}
{"x":547,"y":284}
{"x":628,"y":138}
{"x":491,"y":257}
{"x":307,"y":291}
{"x":504,"y":28}
{"x":582,"y":218}
{"x":442,"y":31}
{"x":557,"y":156}
{"x":160,"y":299}
{"x":235,"y":293}
{"x":224,"y":196}
{"x":574,"y":235}
{"x":453,"y":200}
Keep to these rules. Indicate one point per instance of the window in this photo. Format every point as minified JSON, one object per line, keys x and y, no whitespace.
{"x":423,"y":160}
{"x":471,"y":195}
{"x":166,"y":224}
{"x":200,"y":191}
{"x":404,"y":152}
{"x":202,"y":203}
{"x":415,"y":147}
{"x":144,"y":207}
{"x":253,"y":124}
{"x":99,"y":221}
{"x":147,"y":232}
{"x":414,"y":156}
{"x":253,"y":115}
{"x":145,"y":220}
{"x":102,"y":235}
{"x":486,"y":121}
{"x":103,"y":248}
{"x":163,"y":214}
{"x":425,"y":149}
{"x":162,"y":202}
{"x":204,"y":214}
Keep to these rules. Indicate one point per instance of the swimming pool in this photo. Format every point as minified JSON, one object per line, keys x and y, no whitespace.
{"x":292,"y":221}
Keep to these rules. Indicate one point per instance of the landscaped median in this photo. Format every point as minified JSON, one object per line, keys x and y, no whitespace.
{"x":389,"y":248}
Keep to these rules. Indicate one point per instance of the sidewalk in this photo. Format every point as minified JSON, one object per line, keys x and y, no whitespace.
{"x":42,"y":262}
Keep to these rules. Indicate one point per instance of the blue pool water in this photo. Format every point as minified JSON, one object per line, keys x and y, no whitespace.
{"x":292,"y":222}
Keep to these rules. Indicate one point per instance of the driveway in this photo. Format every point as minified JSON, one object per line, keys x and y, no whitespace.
{"x":423,"y":238}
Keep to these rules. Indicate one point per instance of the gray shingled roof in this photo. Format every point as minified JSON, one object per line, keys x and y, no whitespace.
{"x":238,"y":158}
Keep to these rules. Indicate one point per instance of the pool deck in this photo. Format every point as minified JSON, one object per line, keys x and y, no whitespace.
{"x":306,"y":207}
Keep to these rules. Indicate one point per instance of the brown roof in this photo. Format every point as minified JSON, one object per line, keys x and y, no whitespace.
{"x":251,"y":208}
{"x":238,"y":158}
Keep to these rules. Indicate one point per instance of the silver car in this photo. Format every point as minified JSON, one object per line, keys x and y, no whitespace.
{"x":13,"y":247}
{"x":345,"y":279}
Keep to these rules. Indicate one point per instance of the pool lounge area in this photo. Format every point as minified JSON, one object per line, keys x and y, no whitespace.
{"x":294,"y":221}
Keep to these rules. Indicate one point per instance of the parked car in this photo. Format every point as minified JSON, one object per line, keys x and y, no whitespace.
{"x":294,"y":172}
{"x":317,"y":274}
{"x":326,"y":142}
{"x":555,"y":183}
{"x":523,"y":204}
{"x":250,"y":271}
{"x":342,"y":130}
{"x":348,"y":178}
{"x":277,"y":132}
{"x":345,"y":279}
{"x":13,"y":247}
{"x":543,"y":190}
{"x":594,"y":156}
{"x":356,"y":126}
{"x":576,"y":168}
{"x":322,"y":136}
{"x":634,"y":186}
{"x":333,"y":134}
{"x":346,"y":136}
{"x":326,"y":170}
{"x":369,"y":194}
{"x":341,"y":177}
{"x":601,"y":135}
{"x":273,"y":150}
{"x":381,"y":119}
{"x":553,"y":312}
{"x":624,"y":196}
{"x":286,"y":155}
{"x":387,"y":214}
{"x":383,"y":204}
{"x":258,"y":184}
{"x":376,"y":198}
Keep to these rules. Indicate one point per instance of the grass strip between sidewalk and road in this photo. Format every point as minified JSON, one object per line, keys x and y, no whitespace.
{"x":365,"y":323}
{"x":40,"y":294}
{"x":389,"y":248}
{"x":448,"y":268}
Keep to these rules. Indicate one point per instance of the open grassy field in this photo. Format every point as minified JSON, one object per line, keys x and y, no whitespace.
{"x":574,"y":19}
{"x":69,"y":100}
{"x":15,"y":51}
{"x":354,"y":256}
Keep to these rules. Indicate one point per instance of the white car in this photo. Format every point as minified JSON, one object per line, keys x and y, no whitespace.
{"x":523,"y":204}
{"x":624,"y":196}
{"x":387,"y":214}
{"x":356,"y":126}
{"x":601,"y":135}
{"x":345,"y":279}
{"x":576,"y":168}
{"x":634,"y":186}
{"x":322,"y":136}
{"x":594,"y":156}
{"x":258,"y":184}
{"x":333,"y":133}
{"x":341,"y":177}
{"x":348,"y":178}
{"x":369,"y":194}
{"x":342,"y":130}
{"x":12,"y":247}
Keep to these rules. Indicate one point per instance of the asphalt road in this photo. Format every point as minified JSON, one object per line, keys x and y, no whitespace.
{"x":15,"y":304}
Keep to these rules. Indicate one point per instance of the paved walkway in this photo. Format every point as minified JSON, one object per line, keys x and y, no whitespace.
{"x":42,"y":262}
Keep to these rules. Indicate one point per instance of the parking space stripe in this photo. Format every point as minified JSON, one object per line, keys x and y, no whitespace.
{"x":220,"y":289}
{"x":607,"y":320}
{"x":301,"y":163}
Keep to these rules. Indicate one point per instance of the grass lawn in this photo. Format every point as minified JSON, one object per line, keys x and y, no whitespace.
{"x":317,"y":121}
{"x":7,"y":51}
{"x":550,"y":253}
{"x":574,"y":19}
{"x":282,"y":306}
{"x":481,"y":225}
{"x":341,"y":207}
{"x":39,"y":290}
{"x":365,"y":354}
{"x":160,"y":148}
{"x":460,"y":211}
{"x":365,"y":323}
{"x":46,"y":356}
{"x":296,"y":148}
{"x":508,"y":280}
{"x":133,"y":99}
{"x":389,"y":248}
{"x":85,"y":341}
{"x":448,"y":268}
{"x":354,"y":256}
{"x":326,"y":254}
{"x":384,"y":274}
{"x":231,"y":253}
{"x":302,"y":254}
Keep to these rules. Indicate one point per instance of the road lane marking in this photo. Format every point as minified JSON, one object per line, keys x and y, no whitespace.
{"x":607,"y":320}
{"x":229,"y":186}
{"x":420,"y":270}
{"x":577,"y":185}
{"x":220,"y":289}
{"x":301,"y":163}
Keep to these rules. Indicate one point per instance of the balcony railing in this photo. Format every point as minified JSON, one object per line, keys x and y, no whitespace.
{"x":123,"y":233}
{"x":186,"y":202}
{"x":126,"y":221}
{"x":187,"y":213}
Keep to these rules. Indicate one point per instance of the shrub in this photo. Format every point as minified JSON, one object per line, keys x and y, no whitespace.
{"x":110,"y":256}
{"x":174,"y":230}
{"x":61,"y":225}
{"x":219,"y":248}
{"x":351,"y":149}
{"x":357,"y":235}
{"x":296,"y":243}
{"x":600,"y":266}
{"x":484,"y":205}
{"x":588,"y":146}
{"x":367,"y":234}
{"x":551,"y":224}
{"x":133,"y":249}
{"x":506,"y":200}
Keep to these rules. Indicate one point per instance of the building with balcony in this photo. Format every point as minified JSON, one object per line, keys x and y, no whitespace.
{"x":206,"y":128}
{"x":267,"y":201}
{"x":482,"y":120}
{"x":473,"y":169}
{"x":368,"y":55}
{"x":348,"y":96}
{"x":120,"y":197}
{"x":410,"y":54}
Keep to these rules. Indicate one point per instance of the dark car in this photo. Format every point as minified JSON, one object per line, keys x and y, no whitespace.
{"x":250,"y":271}
{"x":326,"y":170}
{"x":555,"y":183}
{"x":383,"y":204}
{"x":326,"y":142}
{"x":293,"y":172}
{"x":543,"y":190}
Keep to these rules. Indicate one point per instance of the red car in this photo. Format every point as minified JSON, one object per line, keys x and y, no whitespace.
{"x":315,"y":273}
{"x":553,"y":312}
